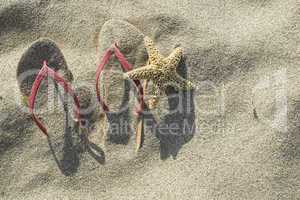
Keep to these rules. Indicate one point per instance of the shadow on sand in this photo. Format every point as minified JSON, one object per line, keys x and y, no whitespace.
{"x":70,"y":161}
{"x":119,"y":131}
{"x":178,"y":127}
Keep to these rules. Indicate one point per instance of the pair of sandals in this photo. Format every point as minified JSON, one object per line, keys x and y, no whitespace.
{"x":51,"y":63}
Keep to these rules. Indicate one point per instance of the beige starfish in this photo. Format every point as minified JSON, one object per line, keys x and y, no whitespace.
{"x":161,"y":71}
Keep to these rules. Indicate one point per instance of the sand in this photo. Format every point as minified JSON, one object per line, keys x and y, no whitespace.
{"x":241,"y":124}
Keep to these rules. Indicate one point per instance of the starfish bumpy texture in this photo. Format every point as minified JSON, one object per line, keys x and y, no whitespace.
{"x":161,"y":71}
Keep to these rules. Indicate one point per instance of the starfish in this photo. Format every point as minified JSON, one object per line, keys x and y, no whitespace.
{"x":161,"y":71}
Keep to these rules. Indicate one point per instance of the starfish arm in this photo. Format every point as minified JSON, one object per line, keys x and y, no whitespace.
{"x":147,"y":72}
{"x":155,"y":97}
{"x":156,"y":90}
{"x":182,"y":83}
{"x":153,"y":53}
{"x":174,"y":58}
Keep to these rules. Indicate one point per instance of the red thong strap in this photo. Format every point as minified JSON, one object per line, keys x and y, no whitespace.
{"x":127,"y":67}
{"x":43,"y":73}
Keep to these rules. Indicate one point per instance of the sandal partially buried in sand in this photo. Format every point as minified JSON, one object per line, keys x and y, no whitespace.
{"x":46,"y":72}
{"x":31,"y":63}
{"x":126,"y":67}
{"x":43,"y":60}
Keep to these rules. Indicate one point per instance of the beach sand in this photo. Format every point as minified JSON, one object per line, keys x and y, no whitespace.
{"x":243,"y":124}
